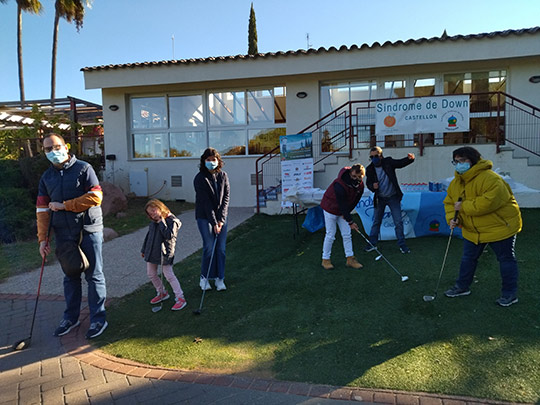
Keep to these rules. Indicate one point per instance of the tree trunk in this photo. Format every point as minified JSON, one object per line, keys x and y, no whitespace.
{"x":20,"y":54}
{"x":53,"y":59}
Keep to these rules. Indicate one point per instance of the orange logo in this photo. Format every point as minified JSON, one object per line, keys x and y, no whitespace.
{"x":389,"y":121}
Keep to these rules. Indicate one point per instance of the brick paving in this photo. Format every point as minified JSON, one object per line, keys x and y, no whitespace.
{"x":69,"y":370}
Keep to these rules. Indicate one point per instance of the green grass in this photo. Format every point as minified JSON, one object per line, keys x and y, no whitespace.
{"x":284,"y":317}
{"x":24,"y":256}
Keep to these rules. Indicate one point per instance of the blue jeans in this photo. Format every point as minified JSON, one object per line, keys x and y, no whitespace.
{"x":394,"y":203}
{"x":504,"y":250}
{"x":217,"y":269}
{"x":91,"y":245}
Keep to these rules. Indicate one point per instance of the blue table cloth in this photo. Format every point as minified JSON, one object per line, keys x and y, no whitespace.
{"x":422,"y":212}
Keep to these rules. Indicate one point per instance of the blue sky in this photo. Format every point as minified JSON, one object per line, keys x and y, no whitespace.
{"x":123,"y":31}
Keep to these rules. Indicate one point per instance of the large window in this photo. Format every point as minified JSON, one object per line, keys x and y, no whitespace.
{"x":239,"y":122}
{"x":334,"y":95}
{"x":484,"y":122}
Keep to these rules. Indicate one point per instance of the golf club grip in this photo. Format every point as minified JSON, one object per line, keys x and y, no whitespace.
{"x":457,"y":211}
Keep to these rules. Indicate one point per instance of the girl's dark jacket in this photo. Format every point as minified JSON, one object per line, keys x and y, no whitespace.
{"x":389,"y":166}
{"x":160,"y":240}
{"x":211,"y":203}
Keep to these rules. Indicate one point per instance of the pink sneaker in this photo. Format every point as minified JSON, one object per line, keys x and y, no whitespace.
{"x":180,"y":303}
{"x":160,"y":297}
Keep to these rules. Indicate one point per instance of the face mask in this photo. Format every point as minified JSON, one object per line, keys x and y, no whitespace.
{"x":211,"y":165}
{"x":57,"y":156}
{"x":462,"y":167}
{"x":376,"y":161}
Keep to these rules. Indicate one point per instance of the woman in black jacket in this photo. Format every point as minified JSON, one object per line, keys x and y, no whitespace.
{"x":211,"y":207}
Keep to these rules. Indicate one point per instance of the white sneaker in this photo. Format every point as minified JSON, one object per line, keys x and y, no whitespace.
{"x":220,"y":285}
{"x":205,"y":284}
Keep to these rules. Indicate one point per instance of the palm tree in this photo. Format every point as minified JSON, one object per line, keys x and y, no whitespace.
{"x":70,"y":10}
{"x":28,"y":6}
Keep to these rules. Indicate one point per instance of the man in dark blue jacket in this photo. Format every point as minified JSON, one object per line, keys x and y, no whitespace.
{"x":71,"y":190}
{"x":382,"y":180}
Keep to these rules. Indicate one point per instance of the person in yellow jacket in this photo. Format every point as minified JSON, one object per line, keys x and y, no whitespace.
{"x":488,"y":214}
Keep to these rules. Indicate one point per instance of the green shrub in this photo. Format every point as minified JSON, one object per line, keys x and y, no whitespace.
{"x":17,"y":215}
{"x":11,"y":173}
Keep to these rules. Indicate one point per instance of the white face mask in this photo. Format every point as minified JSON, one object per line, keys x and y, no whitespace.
{"x":57,"y":156}
{"x":211,"y":164}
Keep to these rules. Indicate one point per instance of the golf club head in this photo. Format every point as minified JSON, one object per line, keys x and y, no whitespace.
{"x":157,"y":308}
{"x":197,"y":312}
{"x":378,"y":258}
{"x":21,"y":344}
{"x":429,"y":298}
{"x":404,"y":278}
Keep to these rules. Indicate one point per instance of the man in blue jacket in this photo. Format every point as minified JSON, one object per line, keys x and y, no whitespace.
{"x":71,"y":190}
{"x":382,"y":180}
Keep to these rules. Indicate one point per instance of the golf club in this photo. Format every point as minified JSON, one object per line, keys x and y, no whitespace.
{"x":157,"y":308}
{"x":381,"y":256}
{"x":199,"y":310}
{"x":24,"y":343}
{"x":429,"y":298}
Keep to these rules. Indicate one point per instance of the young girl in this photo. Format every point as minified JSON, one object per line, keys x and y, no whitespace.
{"x":158,"y":247}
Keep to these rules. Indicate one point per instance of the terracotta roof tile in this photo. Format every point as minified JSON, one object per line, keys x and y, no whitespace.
{"x":216,"y":59}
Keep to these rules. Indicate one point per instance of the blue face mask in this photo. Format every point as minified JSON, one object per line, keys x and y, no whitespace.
{"x":211,"y":165}
{"x":462,"y":167}
{"x":57,"y":157}
{"x":376,"y":161}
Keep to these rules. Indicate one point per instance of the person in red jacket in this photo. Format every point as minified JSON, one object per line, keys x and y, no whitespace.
{"x":337,"y":203}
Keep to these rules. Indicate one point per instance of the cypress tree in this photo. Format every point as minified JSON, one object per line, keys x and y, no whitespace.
{"x":252,"y":33}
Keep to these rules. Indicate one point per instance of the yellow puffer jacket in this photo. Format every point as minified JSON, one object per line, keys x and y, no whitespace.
{"x":489,"y":211}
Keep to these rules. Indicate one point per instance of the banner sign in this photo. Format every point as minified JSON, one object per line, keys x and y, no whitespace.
{"x":296,"y":164}
{"x":422,"y":213}
{"x":422,"y":115}
{"x":296,"y":146}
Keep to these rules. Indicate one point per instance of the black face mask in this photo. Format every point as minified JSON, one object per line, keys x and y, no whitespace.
{"x":376,"y":160}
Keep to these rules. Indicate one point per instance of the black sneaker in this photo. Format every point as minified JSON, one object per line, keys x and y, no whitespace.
{"x":404,"y":249}
{"x":96,"y":329}
{"x":65,"y":327}
{"x":455,"y":291}
{"x":370,"y":248}
{"x":506,"y":301}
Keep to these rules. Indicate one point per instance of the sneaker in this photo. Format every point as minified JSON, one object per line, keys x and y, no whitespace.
{"x":205,"y":284}
{"x":160,"y":297}
{"x":455,"y":291}
{"x":179,"y":304}
{"x":220,"y":285}
{"x":404,"y":249}
{"x":370,"y":248}
{"x":506,"y":301}
{"x":96,"y":329}
{"x":65,"y":327}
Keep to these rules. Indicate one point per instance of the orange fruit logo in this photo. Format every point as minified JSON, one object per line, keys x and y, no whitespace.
{"x":389,"y":121}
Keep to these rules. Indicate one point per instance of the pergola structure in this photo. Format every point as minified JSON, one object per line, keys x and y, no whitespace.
{"x":85,"y":113}
{"x":14,"y":115}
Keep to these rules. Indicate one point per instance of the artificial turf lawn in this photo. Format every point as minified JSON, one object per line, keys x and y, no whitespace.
{"x":283,"y":316}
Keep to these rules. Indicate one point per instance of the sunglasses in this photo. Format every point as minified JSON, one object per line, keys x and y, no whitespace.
{"x":373,"y":157}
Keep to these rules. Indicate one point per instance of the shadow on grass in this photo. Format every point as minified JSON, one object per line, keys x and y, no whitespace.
{"x":284,"y":316}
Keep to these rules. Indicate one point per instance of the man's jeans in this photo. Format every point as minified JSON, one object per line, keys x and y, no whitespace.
{"x":504,"y":250}
{"x":394,"y":204}
{"x":91,"y":245}
{"x":217,"y":270}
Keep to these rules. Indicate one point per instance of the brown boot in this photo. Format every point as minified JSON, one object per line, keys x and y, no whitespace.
{"x":327,"y":264}
{"x":352,"y":262}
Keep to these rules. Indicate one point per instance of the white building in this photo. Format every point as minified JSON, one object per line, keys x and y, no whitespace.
{"x":160,"y":116}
